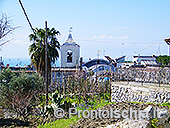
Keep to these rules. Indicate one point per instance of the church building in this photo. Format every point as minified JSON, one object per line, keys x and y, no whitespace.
{"x":70,"y":52}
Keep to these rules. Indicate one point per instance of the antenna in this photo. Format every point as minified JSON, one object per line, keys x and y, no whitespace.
{"x":122,"y":48}
{"x":103,"y":54}
{"x":26,"y":16}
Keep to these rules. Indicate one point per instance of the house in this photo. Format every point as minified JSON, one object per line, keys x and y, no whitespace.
{"x":119,"y":62}
{"x":145,"y":60}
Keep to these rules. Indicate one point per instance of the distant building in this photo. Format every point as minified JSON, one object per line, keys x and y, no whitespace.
{"x":145,"y":60}
{"x":97,"y":65}
{"x":70,"y":53}
{"x":119,"y":62}
{"x":120,"y":59}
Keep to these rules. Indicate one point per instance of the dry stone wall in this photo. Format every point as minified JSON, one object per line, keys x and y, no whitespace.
{"x":147,"y":75}
{"x":132,"y":93}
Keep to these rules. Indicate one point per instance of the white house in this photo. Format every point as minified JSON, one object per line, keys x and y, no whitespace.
{"x":145,"y":60}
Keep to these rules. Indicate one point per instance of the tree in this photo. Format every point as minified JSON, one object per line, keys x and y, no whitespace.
{"x":163,"y":59}
{"x":5,"y":29}
{"x":37,"y":49}
{"x":12,"y":83}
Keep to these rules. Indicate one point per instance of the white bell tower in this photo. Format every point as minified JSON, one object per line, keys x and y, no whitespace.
{"x":70,"y":52}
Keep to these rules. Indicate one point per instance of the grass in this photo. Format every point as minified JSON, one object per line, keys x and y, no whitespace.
{"x":153,"y":123}
{"x":65,"y":123}
{"x":61,"y":123}
{"x":165,"y":104}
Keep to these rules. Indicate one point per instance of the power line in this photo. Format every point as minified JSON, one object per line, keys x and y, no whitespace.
{"x":150,"y":45}
{"x":26,"y":16}
{"x":134,"y":42}
{"x":106,"y":41}
{"x":159,"y":49}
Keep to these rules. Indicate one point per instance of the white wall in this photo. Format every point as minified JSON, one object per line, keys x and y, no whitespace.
{"x":76,"y":55}
{"x":136,"y":58}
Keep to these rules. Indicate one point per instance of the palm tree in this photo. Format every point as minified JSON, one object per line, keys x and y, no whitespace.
{"x":37,"y":49}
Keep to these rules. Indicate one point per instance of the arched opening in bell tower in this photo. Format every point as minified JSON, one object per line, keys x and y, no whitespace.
{"x":69,"y":56}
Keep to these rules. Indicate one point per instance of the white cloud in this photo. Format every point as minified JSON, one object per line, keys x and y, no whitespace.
{"x":103,"y":37}
{"x":20,"y":42}
{"x":109,"y":37}
{"x":122,"y":37}
{"x":94,"y":37}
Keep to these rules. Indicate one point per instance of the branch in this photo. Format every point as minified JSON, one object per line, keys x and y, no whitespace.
{"x":5,"y":28}
{"x":5,"y":42}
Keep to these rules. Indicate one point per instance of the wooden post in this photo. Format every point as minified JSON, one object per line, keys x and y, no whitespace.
{"x":96,"y":71}
{"x":46,"y":64}
{"x":168,"y":43}
{"x":0,"y":64}
{"x":159,"y":77}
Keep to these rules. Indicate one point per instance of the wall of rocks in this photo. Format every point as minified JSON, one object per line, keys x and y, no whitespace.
{"x":127,"y":92}
{"x":149,"y":75}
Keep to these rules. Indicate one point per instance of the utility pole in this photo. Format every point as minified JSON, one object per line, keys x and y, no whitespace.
{"x":45,"y":43}
{"x":0,"y":64}
{"x":98,"y":54}
{"x":46,"y":64}
{"x":168,"y":43}
{"x":103,"y":54}
{"x":122,"y":48}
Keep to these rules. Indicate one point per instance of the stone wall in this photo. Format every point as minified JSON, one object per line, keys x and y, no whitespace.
{"x":127,"y":92}
{"x":147,"y":75}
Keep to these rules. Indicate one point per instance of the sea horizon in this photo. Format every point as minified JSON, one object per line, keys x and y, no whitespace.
{"x":22,"y":62}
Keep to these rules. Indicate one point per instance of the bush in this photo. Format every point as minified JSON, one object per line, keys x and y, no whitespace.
{"x":19,"y":91}
{"x":164,"y":60}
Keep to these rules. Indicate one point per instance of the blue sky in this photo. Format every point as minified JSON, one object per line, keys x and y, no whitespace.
{"x":101,"y":25}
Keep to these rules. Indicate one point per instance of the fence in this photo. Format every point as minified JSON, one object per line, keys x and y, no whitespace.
{"x":82,"y":85}
{"x":144,"y":75}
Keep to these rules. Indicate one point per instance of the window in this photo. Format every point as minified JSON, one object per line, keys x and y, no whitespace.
{"x":69,"y":56}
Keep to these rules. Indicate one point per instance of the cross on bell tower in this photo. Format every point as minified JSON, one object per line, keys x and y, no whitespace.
{"x":70,"y":30}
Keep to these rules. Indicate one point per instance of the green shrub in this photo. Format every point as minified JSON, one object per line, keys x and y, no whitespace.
{"x":19,"y":91}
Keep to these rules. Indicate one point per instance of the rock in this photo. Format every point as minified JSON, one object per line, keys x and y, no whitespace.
{"x":125,"y":123}
{"x":128,"y":123}
{"x":8,"y":114}
{"x":141,"y":94}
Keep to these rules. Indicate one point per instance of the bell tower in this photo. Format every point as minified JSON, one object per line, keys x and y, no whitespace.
{"x":70,"y":52}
